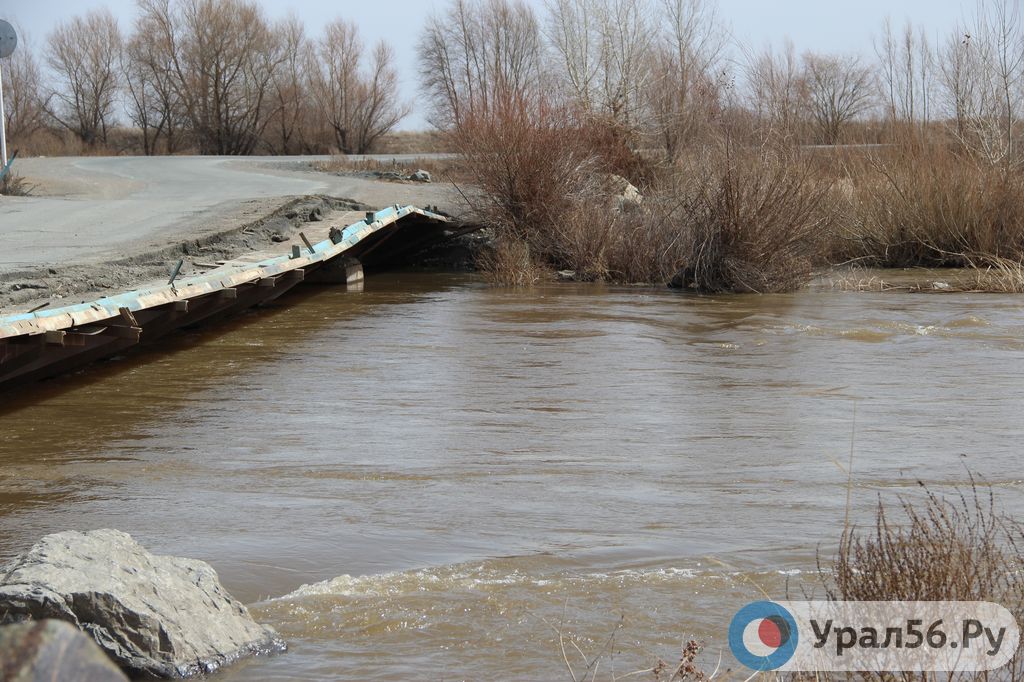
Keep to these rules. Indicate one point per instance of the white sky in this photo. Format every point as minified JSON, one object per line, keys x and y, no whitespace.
{"x":819,"y":25}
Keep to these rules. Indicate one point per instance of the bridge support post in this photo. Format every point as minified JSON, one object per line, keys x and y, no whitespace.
{"x":341,"y":270}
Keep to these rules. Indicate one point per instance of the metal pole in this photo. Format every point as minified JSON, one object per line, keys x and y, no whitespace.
{"x":3,"y":132}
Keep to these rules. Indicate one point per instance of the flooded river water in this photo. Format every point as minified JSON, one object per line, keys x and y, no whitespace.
{"x":426,"y":480}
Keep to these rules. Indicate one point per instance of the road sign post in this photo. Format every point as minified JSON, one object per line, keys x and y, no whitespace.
{"x":3,"y":127}
{"x":8,"y":41}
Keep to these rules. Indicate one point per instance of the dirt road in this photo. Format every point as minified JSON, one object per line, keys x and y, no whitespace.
{"x":85,"y":213}
{"x":88,"y":210}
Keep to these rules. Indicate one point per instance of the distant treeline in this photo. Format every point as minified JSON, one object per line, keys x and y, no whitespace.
{"x":205,"y":76}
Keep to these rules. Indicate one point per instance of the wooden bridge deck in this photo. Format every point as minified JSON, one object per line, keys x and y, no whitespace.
{"x":51,"y":341}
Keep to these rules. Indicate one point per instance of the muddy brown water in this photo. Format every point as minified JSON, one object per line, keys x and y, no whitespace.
{"x":428,"y":479}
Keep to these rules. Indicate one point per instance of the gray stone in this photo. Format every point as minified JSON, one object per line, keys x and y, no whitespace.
{"x":34,"y":651}
{"x":154,"y":615}
{"x":625,"y":197}
{"x":420,"y":176}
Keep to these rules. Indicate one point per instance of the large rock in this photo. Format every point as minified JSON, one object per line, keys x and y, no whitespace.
{"x":154,"y":615}
{"x":35,"y":651}
{"x":625,"y":197}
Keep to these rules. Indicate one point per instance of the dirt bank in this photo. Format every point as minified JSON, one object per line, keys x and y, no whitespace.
{"x":74,"y":283}
{"x":98,"y":226}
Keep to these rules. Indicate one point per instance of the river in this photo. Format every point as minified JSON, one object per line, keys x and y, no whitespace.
{"x":431,"y":478}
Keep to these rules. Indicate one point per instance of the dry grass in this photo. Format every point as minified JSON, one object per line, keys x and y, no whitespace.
{"x":508,"y":262}
{"x":958,"y":549}
{"x":930,"y":205}
{"x":447,"y":169}
{"x":413,"y":142}
{"x":15,"y":186}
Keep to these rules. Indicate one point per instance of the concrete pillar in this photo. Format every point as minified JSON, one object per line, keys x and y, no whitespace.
{"x":340,"y":270}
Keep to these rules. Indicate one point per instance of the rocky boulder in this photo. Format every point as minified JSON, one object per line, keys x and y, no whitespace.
{"x":159,"y":616}
{"x":420,"y":176}
{"x":625,"y":197}
{"x":53,"y":650}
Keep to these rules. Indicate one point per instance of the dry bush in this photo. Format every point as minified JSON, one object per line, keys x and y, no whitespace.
{"x":531,"y":163}
{"x":958,"y":549}
{"x":12,"y":185}
{"x":750,"y":222}
{"x":725,"y":220}
{"x":547,"y":178}
{"x":930,"y":205}
{"x":508,"y":262}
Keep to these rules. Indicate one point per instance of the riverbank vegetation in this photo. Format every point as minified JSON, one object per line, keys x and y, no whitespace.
{"x":934,"y":548}
{"x":756,"y":169}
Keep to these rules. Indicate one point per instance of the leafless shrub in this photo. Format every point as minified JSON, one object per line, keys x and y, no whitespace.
{"x":928,"y":205}
{"x":508,"y":262}
{"x":941,"y":549}
{"x":530,"y":161}
{"x":751,"y":222}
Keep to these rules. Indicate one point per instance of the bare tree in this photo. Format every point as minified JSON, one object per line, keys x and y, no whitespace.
{"x":334,"y":79}
{"x":291,"y":110}
{"x":475,"y":55}
{"x":24,"y":98}
{"x":380,"y":105}
{"x":222,"y":58}
{"x":839,"y":89}
{"x":605,"y":52}
{"x":358,"y":105}
{"x":983,"y":74}
{"x":84,"y":56}
{"x":906,"y":74}
{"x":152,"y":102}
{"x":572,"y":29}
{"x":687,"y":72}
{"x":778,"y":93}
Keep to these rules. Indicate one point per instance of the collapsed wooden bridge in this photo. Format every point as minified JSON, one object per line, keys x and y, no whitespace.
{"x":50,"y":341}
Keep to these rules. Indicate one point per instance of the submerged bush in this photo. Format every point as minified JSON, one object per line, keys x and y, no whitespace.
{"x":750,"y":222}
{"x":726,"y":221}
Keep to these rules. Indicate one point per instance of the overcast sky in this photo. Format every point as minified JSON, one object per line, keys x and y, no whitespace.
{"x":821,"y":25}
